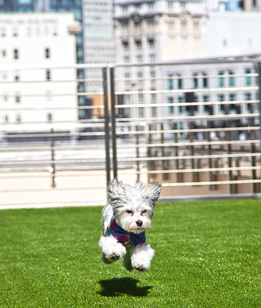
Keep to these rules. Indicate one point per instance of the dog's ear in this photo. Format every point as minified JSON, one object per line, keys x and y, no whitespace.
{"x":152,"y":192}
{"x":115,"y":190}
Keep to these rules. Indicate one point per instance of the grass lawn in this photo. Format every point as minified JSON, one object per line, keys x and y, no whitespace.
{"x":208,"y":254}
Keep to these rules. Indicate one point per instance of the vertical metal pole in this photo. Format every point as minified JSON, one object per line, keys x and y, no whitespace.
{"x":210,"y":164}
{"x":229,"y":151}
{"x":259,"y":105}
{"x":150,"y":151}
{"x":106,"y":123}
{"x":137,"y":154}
{"x":113,"y":125}
{"x":253,"y":151}
{"x":179,"y":176}
{"x":192,"y":152}
{"x":53,"y":158}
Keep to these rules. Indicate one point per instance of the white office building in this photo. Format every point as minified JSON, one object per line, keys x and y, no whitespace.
{"x":156,"y":31}
{"x":46,"y":93}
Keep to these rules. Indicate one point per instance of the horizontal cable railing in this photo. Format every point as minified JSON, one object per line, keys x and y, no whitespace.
{"x":194,"y":126}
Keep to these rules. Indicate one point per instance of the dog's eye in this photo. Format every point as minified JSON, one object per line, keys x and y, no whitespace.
{"x":129,"y":212}
{"x":144,"y":211}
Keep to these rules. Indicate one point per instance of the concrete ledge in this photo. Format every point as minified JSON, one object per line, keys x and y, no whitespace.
{"x":209,"y":198}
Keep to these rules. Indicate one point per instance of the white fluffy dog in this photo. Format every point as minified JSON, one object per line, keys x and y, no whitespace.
{"x":125,"y":218}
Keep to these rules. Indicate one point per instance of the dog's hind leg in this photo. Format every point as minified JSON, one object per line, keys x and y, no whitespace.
{"x":127,"y":261}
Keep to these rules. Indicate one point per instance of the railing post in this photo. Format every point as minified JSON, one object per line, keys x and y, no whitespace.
{"x":137,"y":154}
{"x":113,"y":124}
{"x":106,"y":123}
{"x":259,"y":105}
{"x":179,"y":177}
{"x":53,"y":170}
{"x":212,"y":177}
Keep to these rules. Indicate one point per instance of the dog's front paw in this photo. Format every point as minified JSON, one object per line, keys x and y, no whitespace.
{"x":111,"y":249}
{"x":141,"y":257}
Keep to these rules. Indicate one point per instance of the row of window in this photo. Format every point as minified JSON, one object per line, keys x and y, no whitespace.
{"x":209,"y":109}
{"x":138,"y":44}
{"x":17,"y":76}
{"x":139,"y":58}
{"x":150,"y":6}
{"x":18,"y":118}
{"x":16,"y":53}
{"x":202,"y":81}
{"x":18,"y":99}
{"x":29,"y":32}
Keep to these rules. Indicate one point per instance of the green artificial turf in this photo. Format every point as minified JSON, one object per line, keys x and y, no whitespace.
{"x":208,"y":254}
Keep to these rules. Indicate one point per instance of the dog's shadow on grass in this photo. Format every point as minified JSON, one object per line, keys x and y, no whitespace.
{"x":118,"y":286}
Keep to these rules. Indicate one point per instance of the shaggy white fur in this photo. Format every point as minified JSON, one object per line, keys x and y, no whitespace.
{"x":132,"y":209}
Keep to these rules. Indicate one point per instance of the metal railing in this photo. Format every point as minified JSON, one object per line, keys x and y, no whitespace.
{"x":193,"y":126}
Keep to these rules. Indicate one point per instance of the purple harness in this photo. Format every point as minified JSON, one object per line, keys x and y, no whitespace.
{"x":124,"y":237}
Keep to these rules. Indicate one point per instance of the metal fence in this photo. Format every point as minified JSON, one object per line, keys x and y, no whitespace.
{"x":193,"y":126}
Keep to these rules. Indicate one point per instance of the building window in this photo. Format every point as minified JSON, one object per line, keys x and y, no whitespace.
{"x":248,"y":78}
{"x":48,"y":75}
{"x":231,"y":80}
{"x":18,"y":118}
{"x":49,"y":117}
{"x":221,"y":98}
{"x":170,"y":84}
{"x":141,"y":112}
{"x":6,"y":119}
{"x":15,"y":32}
{"x":3,"y":53}
{"x":126,"y":59}
{"x":170,"y":4}
{"x":195,"y":81}
{"x":47,"y":53}
{"x":248,"y":97}
{"x":154,"y":112}
{"x":138,"y":44}
{"x":125,"y":45}
{"x":205,"y":80}
{"x":151,"y":6}
{"x":16,"y":76}
{"x":183,"y":24}
{"x":152,"y":58}
{"x":17,"y":98}
{"x":3,"y":32}
{"x":139,"y":58}
{"x":55,"y":31}
{"x":206,"y":107}
{"x":140,"y":97}
{"x":181,"y":108}
{"x":180,"y":82}
{"x":221,"y":80}
{"x":49,"y":96}
{"x":151,"y":43}
{"x":16,"y":54}
{"x":171,"y":108}
{"x":153,"y":97}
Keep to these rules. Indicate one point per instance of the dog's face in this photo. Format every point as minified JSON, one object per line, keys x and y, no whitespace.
{"x":133,"y":206}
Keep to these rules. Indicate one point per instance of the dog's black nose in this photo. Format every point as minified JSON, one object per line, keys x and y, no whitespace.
{"x":139,"y":223}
